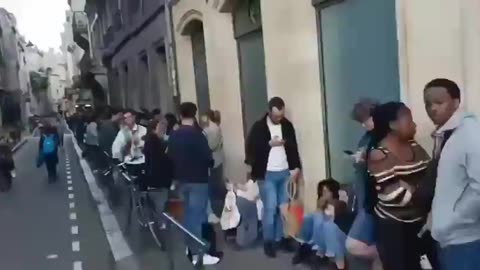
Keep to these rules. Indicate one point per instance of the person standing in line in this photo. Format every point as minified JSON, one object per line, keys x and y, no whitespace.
{"x":192,"y":158}
{"x":272,"y":157}
{"x":217,"y":189}
{"x":108,"y":130}
{"x":128,"y":145}
{"x":361,"y":237}
{"x":91,"y":141}
{"x":397,"y":166}
{"x":48,"y":150}
{"x":172,"y":123}
{"x":456,"y":201}
{"x":158,"y":166}
{"x":157,"y":114}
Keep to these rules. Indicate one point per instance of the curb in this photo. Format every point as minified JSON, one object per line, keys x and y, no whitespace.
{"x":19,"y":145}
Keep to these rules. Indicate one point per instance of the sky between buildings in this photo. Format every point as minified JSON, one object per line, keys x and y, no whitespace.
{"x":40,"y":21}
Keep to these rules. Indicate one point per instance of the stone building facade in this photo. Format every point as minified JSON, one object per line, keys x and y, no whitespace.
{"x":130,"y":39}
{"x":321,"y":56}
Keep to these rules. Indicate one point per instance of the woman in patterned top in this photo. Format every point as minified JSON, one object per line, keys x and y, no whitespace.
{"x":397,"y":165}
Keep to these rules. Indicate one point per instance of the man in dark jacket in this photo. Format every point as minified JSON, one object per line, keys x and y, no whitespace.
{"x":108,"y":130}
{"x":272,"y":155}
{"x":192,"y":158}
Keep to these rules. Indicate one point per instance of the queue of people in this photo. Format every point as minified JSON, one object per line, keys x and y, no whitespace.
{"x":408,"y":204}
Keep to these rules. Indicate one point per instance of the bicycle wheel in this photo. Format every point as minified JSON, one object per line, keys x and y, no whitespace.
{"x":140,"y":211}
{"x":157,"y":233}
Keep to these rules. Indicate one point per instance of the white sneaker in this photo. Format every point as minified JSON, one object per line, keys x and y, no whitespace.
{"x":207,"y":260}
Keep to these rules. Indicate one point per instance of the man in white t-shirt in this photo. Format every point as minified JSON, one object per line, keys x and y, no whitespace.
{"x":272,"y":155}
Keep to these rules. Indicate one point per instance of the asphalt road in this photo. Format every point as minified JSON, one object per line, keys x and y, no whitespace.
{"x":74,"y":224}
{"x":39,"y":229}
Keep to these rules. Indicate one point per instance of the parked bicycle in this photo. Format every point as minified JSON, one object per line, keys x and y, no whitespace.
{"x":141,"y":205}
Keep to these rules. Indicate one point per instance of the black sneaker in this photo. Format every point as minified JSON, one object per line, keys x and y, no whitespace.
{"x":286,"y":244}
{"x":269,"y":249}
{"x":302,"y":254}
{"x":318,"y":263}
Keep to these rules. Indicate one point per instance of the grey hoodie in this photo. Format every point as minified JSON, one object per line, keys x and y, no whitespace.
{"x":456,"y":205}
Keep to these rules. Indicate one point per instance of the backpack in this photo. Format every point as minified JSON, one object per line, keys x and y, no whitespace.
{"x":48,"y":146}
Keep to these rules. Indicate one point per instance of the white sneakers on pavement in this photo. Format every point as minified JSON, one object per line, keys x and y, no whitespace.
{"x":207,"y":259}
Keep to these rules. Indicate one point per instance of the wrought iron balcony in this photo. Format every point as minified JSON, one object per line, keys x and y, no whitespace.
{"x":80,"y":30}
{"x":80,"y":23}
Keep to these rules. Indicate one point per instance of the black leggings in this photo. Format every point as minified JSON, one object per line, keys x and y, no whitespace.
{"x":399,"y":246}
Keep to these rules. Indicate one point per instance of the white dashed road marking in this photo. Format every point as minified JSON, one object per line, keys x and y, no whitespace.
{"x":70,"y":188}
{"x":73,"y":216}
{"x":71,"y":205}
{"x":74,"y":230}
{"x":52,"y":256}
{"x":75,"y":246}
{"x":69,"y":182}
{"x":77,"y":265}
{"x":118,"y":245}
{"x":71,"y":196}
{"x":69,"y":177}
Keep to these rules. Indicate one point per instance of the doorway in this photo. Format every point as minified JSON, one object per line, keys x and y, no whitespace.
{"x":359,"y":59}
{"x":251,"y":53}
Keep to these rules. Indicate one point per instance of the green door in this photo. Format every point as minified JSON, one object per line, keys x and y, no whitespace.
{"x":360,"y":59}
{"x":253,"y":79}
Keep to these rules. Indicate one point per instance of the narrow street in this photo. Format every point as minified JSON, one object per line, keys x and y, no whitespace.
{"x":70,"y":225}
{"x":50,"y":226}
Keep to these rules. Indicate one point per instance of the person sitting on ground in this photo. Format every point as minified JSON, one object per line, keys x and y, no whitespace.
{"x":323,"y":233}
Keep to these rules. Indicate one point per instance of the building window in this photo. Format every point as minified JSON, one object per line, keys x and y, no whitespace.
{"x":144,"y":81}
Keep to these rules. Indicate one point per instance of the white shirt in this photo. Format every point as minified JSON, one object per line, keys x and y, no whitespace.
{"x":91,"y":136}
{"x":277,"y":159}
{"x":124,"y":137}
{"x":215,"y":142}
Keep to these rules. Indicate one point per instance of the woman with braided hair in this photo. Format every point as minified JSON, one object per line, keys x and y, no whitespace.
{"x":397,"y":166}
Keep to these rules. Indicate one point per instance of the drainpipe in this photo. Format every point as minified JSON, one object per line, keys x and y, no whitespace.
{"x":172,"y":49}
{"x":90,"y":31}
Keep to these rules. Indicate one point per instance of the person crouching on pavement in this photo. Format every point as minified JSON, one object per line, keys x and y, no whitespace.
{"x":272,"y":155}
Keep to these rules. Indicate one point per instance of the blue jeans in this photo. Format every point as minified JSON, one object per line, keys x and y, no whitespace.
{"x":460,"y":257}
{"x":195,"y":202}
{"x":321,"y":232}
{"x":273,"y":192}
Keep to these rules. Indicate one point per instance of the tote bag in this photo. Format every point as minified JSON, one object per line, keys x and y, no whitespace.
{"x":292,"y":213}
